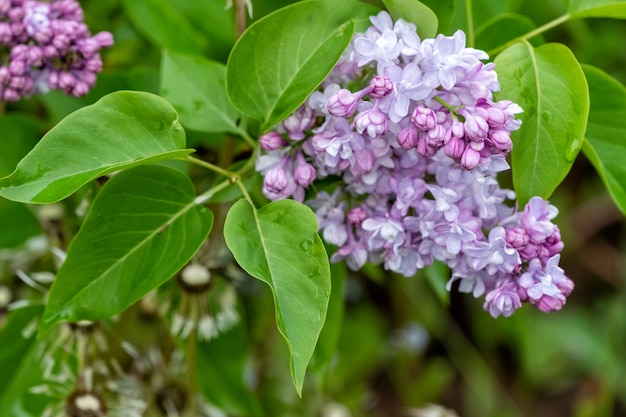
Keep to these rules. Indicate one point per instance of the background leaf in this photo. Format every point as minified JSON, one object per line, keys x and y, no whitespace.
{"x":279,"y":245}
{"x":504,"y":28}
{"x":17,"y":223}
{"x":283,"y":57}
{"x":121,"y":130}
{"x":165,"y":26}
{"x":19,"y":135}
{"x":605,"y":144}
{"x":416,"y":12}
{"x":141,"y":229}
{"x":221,"y":365}
{"x":196,"y":87}
{"x":549,"y":84}
{"x":597,"y":8}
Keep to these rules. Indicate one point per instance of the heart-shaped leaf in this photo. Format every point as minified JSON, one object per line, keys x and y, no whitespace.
{"x":416,"y":12}
{"x":279,"y":245}
{"x":196,"y":87}
{"x":605,"y":146}
{"x":121,"y":130}
{"x":597,"y":8}
{"x":284,"y":56}
{"x":141,"y":229}
{"x":549,"y":84}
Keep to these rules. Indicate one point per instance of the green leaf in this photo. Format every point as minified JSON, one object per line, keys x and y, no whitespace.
{"x":141,"y":229}
{"x":597,"y":8}
{"x":279,"y":245}
{"x":416,"y":12}
{"x":326,"y":348}
{"x":17,"y":223}
{"x":19,"y":135}
{"x":605,"y":144}
{"x":445,"y":11}
{"x":504,"y":28}
{"x":165,"y":26}
{"x":16,"y":338}
{"x":121,"y":130}
{"x":548,"y":83}
{"x":283,"y":57}
{"x":221,"y":365}
{"x":196,"y":87}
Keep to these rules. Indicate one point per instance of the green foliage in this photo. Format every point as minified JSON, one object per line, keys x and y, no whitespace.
{"x":502,"y":29}
{"x":129,"y":244}
{"x":122,"y":129}
{"x":416,"y":12}
{"x":548,"y":83}
{"x":196,"y":88}
{"x":276,"y":64}
{"x":597,"y":8}
{"x":604,"y":145}
{"x":279,"y":245}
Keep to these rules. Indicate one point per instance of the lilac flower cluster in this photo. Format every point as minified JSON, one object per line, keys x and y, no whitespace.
{"x":46,"y":45}
{"x":414,"y":154}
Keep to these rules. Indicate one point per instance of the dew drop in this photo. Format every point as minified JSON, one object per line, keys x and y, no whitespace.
{"x":305,"y":245}
{"x":546,"y":116}
{"x":572,"y":150}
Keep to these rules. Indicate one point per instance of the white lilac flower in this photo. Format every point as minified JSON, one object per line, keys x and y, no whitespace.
{"x":413,"y":138}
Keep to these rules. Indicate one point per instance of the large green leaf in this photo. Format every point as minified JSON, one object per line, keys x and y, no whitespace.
{"x":416,"y":12}
{"x":283,"y":57}
{"x":597,"y":8}
{"x":141,"y":229}
{"x":122,"y":129}
{"x":279,"y":245}
{"x":549,"y":84}
{"x":196,"y":87}
{"x":606,"y":132}
{"x":221,"y":365}
{"x":165,"y":26}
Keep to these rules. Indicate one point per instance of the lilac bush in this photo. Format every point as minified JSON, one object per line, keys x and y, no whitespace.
{"x":47,"y":46}
{"x":412,"y":137}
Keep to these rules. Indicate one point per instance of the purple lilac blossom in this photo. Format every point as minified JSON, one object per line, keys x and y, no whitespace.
{"x":409,"y":131}
{"x":49,"y":47}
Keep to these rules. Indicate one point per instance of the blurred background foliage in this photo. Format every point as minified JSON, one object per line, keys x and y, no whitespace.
{"x":401,"y":343}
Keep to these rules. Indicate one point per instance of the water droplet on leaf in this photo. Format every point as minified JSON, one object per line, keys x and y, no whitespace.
{"x":546,"y":116}
{"x":572,"y":150}
{"x":305,"y":245}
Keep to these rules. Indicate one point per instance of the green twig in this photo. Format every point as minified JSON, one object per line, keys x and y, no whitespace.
{"x":210,"y":166}
{"x":470,"y":23}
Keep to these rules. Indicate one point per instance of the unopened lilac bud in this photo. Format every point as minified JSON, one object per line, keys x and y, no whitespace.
{"x":5,"y":75}
{"x":93,"y":64}
{"x":407,"y":138}
{"x":496,"y":117}
{"x":105,"y":39}
{"x":454,"y":147}
{"x":11,"y":95}
{"x":476,"y":127}
{"x":424,"y":118}
{"x":566,"y":286}
{"x":470,"y":158}
{"x":380,"y":86}
{"x":6,"y":34}
{"x":275,"y":180}
{"x":424,"y":148}
{"x":66,"y":81}
{"x":80,"y":89}
{"x":50,"y":51}
{"x":372,"y":121}
{"x":501,"y":140}
{"x":304,"y":173}
{"x":272,"y":141}
{"x":342,"y":103}
{"x":516,"y":237}
{"x":17,"y":67}
{"x":548,"y":304}
{"x":357,"y":215}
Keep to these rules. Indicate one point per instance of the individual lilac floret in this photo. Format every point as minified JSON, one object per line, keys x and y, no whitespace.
{"x":48,"y":47}
{"x":410,"y":139}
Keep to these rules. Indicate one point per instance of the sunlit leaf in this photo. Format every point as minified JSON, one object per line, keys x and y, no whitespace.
{"x":278,"y":244}
{"x":121,"y":130}
{"x":597,"y":8}
{"x":196,"y":87}
{"x":416,"y":12}
{"x":141,"y":229}
{"x":548,"y":83}
{"x":283,"y":57}
{"x":605,"y":144}
{"x":165,"y":26}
